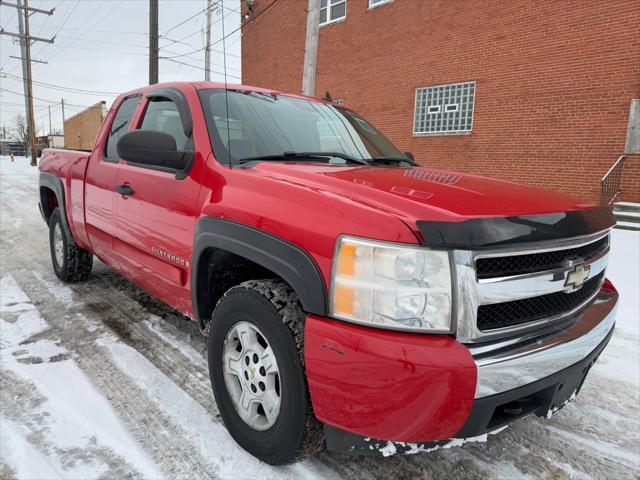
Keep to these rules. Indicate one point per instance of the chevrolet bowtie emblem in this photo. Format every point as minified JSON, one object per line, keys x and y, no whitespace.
{"x":577,"y":276}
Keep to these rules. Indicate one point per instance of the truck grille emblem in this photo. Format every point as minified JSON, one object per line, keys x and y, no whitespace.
{"x":577,"y":276}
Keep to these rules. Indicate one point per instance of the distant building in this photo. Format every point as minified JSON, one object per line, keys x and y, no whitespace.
{"x":55,"y":141}
{"x":9,"y":147}
{"x":42,"y":142}
{"x":81,"y":130}
{"x":49,"y":141}
{"x":531,"y":91}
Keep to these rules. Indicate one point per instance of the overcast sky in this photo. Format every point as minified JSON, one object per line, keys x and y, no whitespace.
{"x":102,"y":46}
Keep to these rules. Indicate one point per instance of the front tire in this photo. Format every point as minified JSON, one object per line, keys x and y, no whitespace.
{"x":70,"y":262}
{"x":256,"y":366}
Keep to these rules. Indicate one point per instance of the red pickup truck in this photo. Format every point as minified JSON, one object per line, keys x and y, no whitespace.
{"x":351,"y":298}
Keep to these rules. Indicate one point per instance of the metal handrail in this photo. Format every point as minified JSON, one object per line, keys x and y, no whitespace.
{"x":611,"y":183}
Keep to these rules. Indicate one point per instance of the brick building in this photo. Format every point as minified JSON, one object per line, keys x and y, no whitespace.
{"x":536,"y":92}
{"x":81,"y":130}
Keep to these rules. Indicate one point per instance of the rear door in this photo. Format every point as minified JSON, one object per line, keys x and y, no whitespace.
{"x":154,"y":225}
{"x":100,"y":180}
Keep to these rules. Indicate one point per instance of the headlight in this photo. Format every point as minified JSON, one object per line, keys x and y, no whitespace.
{"x":391,"y":285}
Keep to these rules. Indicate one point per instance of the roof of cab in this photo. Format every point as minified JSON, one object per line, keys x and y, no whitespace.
{"x":220,"y":85}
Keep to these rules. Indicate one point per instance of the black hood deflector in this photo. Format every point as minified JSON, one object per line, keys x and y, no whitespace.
{"x":482,"y":233}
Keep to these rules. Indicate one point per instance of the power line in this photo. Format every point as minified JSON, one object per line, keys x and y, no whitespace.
{"x":198,"y":67}
{"x":68,"y":89}
{"x":95,"y":40}
{"x":41,"y":99}
{"x":21,"y":105}
{"x":199,"y":60}
{"x":191,"y":17}
{"x":87,"y":30}
{"x":100,"y":19}
{"x":255,"y":17}
{"x":171,"y":41}
{"x":64,"y":21}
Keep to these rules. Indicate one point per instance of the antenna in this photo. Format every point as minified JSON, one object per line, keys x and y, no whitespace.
{"x":226,"y":92}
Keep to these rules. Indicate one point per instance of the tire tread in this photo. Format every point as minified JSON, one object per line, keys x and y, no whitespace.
{"x":286,"y":303}
{"x":78,"y":261}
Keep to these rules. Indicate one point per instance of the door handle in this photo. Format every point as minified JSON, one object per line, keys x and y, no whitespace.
{"x":125,"y":190}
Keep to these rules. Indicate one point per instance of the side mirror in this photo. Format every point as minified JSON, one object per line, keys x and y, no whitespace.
{"x":156,"y":149}
{"x":410,"y":156}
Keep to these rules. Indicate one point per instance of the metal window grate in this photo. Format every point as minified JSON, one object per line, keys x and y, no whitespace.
{"x":444,"y":109}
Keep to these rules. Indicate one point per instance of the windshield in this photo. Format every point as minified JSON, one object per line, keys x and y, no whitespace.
{"x":256,"y":125}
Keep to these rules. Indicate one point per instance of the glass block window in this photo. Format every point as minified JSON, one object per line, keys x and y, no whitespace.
{"x":444,"y":109}
{"x":332,"y":11}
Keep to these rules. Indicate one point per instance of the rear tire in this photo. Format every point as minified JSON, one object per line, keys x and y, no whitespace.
{"x":70,"y":262}
{"x":268,"y":313}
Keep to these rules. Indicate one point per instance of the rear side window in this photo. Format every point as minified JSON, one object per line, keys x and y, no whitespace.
{"x":162,"y":116}
{"x":120,"y":126}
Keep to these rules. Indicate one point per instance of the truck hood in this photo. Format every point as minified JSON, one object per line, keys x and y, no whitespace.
{"x":421,"y":193}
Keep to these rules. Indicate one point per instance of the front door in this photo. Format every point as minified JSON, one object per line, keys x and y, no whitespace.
{"x":156,"y":213}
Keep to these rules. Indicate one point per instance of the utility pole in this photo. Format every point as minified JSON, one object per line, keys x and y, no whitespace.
{"x":153,"y":42}
{"x":23,"y":57}
{"x":31,"y":120}
{"x":207,"y":48}
{"x":25,"y":50}
{"x":311,"y":49}
{"x":49,"y":119}
{"x":63,"y":135}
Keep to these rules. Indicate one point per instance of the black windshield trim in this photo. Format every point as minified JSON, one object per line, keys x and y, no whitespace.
{"x":301,"y":156}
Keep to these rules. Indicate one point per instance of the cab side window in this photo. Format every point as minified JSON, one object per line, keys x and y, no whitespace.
{"x":120,"y":126}
{"x":162,"y":116}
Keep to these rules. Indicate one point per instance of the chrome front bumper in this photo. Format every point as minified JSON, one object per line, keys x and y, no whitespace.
{"x":513,"y":363}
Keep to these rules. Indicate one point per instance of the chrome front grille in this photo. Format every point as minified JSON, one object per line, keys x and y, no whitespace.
{"x":504,"y":292}
{"x":518,"y":312}
{"x":495,"y":267}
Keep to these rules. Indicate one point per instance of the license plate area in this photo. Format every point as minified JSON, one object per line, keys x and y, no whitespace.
{"x":567,"y":390}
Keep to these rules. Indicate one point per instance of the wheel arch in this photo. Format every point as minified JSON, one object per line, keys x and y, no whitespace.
{"x":52,"y":196}
{"x":226,"y":253}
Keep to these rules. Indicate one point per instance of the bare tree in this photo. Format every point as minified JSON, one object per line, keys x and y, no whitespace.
{"x":19,"y":132}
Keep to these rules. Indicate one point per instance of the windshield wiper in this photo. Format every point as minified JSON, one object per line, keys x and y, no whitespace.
{"x":304,"y":155}
{"x":392,"y":160}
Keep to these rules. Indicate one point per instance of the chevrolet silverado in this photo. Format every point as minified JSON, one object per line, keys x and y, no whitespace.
{"x":352,"y":299}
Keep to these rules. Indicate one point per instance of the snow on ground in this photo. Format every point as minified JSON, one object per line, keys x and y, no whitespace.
{"x":70,"y":430}
{"x":623,"y":353}
{"x":99,"y":379}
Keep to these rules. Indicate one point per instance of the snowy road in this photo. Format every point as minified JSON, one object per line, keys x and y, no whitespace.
{"x":98,"y":379}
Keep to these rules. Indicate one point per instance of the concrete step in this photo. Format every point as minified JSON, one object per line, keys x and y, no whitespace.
{"x":626,"y":207}
{"x":635,"y":226}
{"x":623,"y":216}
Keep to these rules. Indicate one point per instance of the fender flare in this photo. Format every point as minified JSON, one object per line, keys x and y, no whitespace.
{"x":288,"y":261}
{"x":52,"y":182}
